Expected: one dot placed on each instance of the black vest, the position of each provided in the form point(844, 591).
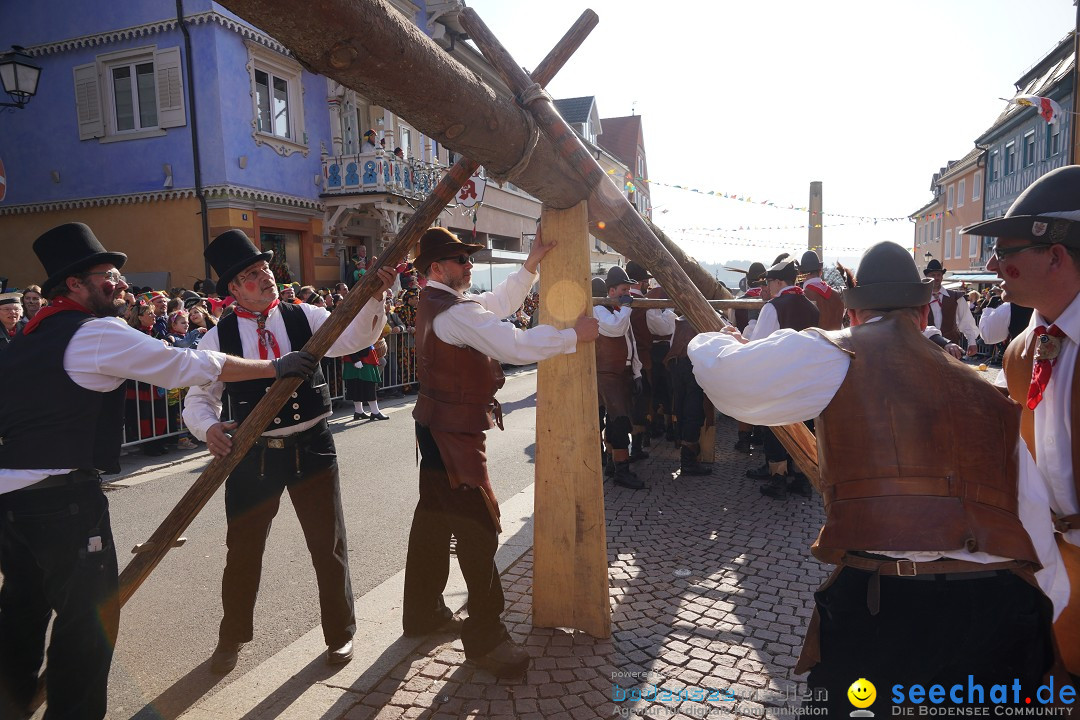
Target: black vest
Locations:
point(46, 419)
point(795, 312)
point(1019, 318)
point(310, 400)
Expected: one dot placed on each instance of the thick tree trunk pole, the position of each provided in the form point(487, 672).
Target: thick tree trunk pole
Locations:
point(661, 304)
point(570, 579)
point(152, 552)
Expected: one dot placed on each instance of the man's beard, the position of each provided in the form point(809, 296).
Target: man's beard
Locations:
point(462, 283)
point(102, 305)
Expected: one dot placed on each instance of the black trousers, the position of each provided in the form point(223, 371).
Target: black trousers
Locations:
point(689, 399)
point(661, 384)
point(57, 556)
point(440, 513)
point(309, 471)
point(931, 632)
point(774, 449)
point(640, 403)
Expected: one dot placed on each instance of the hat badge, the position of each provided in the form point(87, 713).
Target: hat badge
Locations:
point(1038, 229)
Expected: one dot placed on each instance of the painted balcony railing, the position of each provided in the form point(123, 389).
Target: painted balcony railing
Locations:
point(378, 171)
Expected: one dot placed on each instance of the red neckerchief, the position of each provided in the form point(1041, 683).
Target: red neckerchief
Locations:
point(1047, 348)
point(794, 290)
point(824, 292)
point(267, 341)
point(55, 307)
point(753, 292)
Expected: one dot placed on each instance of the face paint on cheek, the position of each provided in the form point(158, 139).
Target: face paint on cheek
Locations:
point(250, 285)
point(1012, 272)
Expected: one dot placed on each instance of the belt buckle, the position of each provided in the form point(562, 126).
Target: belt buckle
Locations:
point(275, 443)
point(900, 565)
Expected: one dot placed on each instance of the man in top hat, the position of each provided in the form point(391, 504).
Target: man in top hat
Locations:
point(822, 294)
point(899, 510)
point(1037, 257)
point(618, 376)
point(460, 341)
point(788, 309)
point(63, 377)
point(11, 319)
point(295, 452)
point(949, 310)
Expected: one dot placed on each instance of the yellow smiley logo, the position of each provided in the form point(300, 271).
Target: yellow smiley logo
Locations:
point(862, 693)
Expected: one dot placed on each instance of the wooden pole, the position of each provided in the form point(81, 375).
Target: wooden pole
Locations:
point(570, 579)
point(662, 304)
point(643, 245)
point(150, 553)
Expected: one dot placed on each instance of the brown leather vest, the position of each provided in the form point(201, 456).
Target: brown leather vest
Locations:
point(457, 384)
point(795, 312)
point(680, 339)
point(643, 337)
point(915, 452)
point(612, 353)
point(830, 309)
point(1018, 361)
point(948, 326)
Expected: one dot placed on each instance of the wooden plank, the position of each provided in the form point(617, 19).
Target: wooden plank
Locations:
point(570, 580)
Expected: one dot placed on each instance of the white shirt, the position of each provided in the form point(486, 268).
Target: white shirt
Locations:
point(965, 321)
point(741, 380)
point(202, 406)
point(767, 320)
point(994, 323)
point(615, 323)
point(661, 323)
point(478, 325)
point(103, 353)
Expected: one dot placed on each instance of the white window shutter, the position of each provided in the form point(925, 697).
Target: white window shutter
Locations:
point(170, 88)
point(88, 102)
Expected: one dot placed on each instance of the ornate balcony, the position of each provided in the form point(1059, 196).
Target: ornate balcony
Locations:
point(378, 172)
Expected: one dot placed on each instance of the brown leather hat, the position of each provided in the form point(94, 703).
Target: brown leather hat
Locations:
point(888, 278)
point(438, 243)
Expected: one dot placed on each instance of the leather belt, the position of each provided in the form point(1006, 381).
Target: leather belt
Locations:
point(287, 441)
point(1065, 523)
point(948, 486)
point(75, 477)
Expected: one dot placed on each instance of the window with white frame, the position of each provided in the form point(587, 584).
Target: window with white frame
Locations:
point(961, 192)
point(976, 186)
point(974, 251)
point(1010, 159)
point(948, 244)
point(949, 195)
point(405, 142)
point(958, 249)
point(130, 94)
point(1029, 149)
point(277, 98)
point(1053, 139)
point(993, 166)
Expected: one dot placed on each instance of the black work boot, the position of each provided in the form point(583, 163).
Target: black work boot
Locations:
point(757, 437)
point(688, 462)
point(743, 445)
point(760, 473)
point(636, 451)
point(776, 487)
point(800, 485)
point(625, 476)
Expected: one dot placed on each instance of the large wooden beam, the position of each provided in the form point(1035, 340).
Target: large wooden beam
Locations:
point(570, 580)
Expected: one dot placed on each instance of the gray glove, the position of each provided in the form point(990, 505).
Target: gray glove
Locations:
point(626, 299)
point(295, 364)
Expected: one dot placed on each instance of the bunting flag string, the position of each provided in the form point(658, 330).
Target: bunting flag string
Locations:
point(747, 228)
point(734, 241)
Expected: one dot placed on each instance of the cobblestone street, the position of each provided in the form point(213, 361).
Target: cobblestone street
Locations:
point(711, 588)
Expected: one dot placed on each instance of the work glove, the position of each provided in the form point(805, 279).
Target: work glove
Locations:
point(295, 364)
point(626, 299)
point(637, 386)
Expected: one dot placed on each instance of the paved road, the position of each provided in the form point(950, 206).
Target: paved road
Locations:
point(169, 627)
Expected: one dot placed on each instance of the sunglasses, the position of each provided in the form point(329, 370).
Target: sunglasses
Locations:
point(459, 259)
point(1001, 253)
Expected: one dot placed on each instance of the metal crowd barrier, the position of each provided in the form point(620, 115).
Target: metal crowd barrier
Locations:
point(154, 413)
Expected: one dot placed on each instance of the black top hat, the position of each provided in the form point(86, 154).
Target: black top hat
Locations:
point(637, 272)
point(191, 299)
point(438, 243)
point(887, 279)
point(69, 249)
point(933, 266)
point(755, 274)
point(784, 270)
point(1048, 211)
point(616, 276)
point(810, 262)
point(229, 253)
point(599, 287)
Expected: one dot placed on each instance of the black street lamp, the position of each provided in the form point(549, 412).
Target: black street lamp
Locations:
point(19, 77)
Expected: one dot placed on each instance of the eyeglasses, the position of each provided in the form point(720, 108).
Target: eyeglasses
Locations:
point(1001, 253)
point(459, 259)
point(244, 277)
point(112, 276)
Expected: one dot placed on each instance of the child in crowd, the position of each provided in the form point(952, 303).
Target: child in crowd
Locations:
point(362, 377)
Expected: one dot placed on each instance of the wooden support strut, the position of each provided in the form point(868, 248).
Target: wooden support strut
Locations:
point(150, 553)
point(662, 304)
point(642, 244)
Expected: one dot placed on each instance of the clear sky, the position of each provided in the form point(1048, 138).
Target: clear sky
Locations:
point(760, 97)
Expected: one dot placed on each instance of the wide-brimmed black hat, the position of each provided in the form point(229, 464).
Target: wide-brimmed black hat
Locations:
point(438, 243)
point(599, 287)
point(617, 276)
point(933, 266)
point(784, 270)
point(810, 262)
point(191, 299)
point(229, 253)
point(1048, 211)
point(637, 272)
point(755, 274)
point(69, 249)
point(887, 279)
